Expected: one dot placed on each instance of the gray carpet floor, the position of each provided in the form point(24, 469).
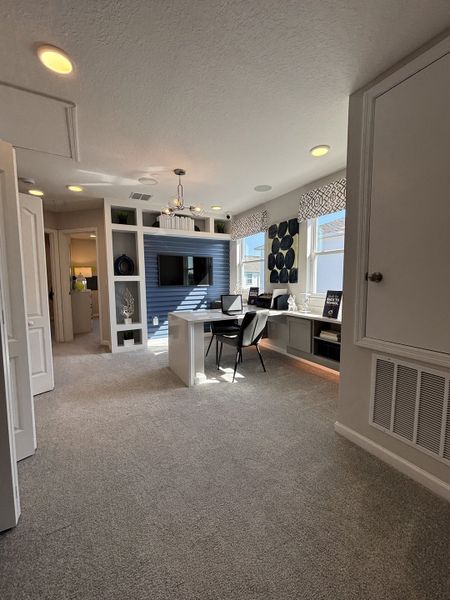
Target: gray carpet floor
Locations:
point(144, 489)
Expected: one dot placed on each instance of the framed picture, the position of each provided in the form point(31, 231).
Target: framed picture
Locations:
point(283, 250)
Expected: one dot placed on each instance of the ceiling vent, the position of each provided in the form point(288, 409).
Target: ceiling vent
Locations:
point(138, 196)
point(412, 404)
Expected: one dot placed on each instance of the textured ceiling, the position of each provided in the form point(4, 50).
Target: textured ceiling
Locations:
point(234, 91)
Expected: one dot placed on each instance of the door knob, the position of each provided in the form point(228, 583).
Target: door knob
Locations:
point(30, 323)
point(375, 276)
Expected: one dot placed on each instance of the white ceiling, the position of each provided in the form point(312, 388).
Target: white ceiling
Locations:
point(236, 92)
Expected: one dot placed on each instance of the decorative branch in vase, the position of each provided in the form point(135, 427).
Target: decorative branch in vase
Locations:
point(127, 310)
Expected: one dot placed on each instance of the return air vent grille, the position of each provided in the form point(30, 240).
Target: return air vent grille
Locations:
point(412, 404)
point(405, 401)
point(138, 196)
point(383, 394)
point(447, 428)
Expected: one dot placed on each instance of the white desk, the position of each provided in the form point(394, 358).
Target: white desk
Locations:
point(187, 343)
point(187, 339)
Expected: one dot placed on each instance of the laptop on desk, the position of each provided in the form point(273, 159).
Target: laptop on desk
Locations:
point(232, 304)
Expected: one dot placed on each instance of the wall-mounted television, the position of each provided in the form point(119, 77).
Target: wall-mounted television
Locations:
point(176, 269)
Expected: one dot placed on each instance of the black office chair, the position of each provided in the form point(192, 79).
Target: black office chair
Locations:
point(221, 328)
point(250, 334)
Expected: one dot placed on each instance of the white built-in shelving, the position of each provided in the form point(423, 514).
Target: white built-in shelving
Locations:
point(125, 226)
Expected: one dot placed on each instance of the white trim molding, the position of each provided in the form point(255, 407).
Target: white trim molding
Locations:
point(436, 485)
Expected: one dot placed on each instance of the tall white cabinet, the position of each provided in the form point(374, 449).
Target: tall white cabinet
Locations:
point(405, 219)
point(394, 393)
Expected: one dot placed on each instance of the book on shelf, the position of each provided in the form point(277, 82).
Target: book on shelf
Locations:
point(176, 222)
point(327, 334)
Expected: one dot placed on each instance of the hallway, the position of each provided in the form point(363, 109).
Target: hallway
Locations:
point(83, 343)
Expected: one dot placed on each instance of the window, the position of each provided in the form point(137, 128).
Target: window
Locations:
point(251, 261)
point(326, 252)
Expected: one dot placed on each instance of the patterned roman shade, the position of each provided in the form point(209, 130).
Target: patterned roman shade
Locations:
point(249, 224)
point(323, 200)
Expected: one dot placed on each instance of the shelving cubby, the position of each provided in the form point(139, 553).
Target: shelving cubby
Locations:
point(125, 242)
point(150, 218)
point(329, 350)
point(219, 223)
point(134, 334)
point(133, 287)
point(121, 215)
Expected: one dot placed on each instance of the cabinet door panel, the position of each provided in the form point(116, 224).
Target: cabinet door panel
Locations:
point(410, 213)
point(300, 334)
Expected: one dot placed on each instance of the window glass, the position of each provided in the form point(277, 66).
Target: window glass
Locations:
point(330, 231)
point(326, 255)
point(253, 247)
point(252, 261)
point(329, 272)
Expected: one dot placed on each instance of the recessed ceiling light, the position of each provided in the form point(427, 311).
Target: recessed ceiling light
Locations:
point(148, 180)
point(216, 207)
point(55, 59)
point(74, 188)
point(262, 188)
point(92, 235)
point(320, 150)
point(34, 192)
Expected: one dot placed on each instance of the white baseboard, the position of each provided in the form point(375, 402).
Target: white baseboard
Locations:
point(426, 479)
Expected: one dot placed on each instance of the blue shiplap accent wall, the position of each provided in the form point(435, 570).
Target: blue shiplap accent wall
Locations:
point(165, 299)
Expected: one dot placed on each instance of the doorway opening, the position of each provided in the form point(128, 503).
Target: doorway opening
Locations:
point(84, 292)
point(74, 291)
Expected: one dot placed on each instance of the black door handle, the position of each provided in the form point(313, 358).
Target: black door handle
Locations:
point(375, 276)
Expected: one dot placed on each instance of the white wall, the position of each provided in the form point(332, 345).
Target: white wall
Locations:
point(353, 408)
point(280, 209)
point(83, 253)
point(50, 219)
point(82, 219)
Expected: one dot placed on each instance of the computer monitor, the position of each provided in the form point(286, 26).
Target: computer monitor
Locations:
point(231, 303)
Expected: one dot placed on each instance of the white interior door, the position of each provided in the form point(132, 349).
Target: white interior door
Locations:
point(11, 267)
point(409, 242)
point(9, 496)
point(38, 315)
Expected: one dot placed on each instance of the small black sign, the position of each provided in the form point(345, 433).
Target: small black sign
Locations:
point(332, 304)
point(252, 295)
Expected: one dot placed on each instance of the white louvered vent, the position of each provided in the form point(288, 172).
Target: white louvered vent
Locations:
point(405, 402)
point(138, 196)
point(382, 406)
point(412, 403)
point(446, 452)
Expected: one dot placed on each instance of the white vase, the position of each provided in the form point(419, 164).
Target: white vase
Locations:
point(127, 320)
